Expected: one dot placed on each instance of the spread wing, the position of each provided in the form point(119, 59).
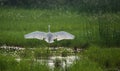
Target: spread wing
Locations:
point(63, 35)
point(36, 34)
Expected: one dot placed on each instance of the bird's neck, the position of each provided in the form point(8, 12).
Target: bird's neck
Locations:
point(48, 28)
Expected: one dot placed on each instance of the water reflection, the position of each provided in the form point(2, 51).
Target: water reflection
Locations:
point(56, 61)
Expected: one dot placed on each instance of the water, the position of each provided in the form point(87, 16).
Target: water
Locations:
point(61, 61)
point(52, 62)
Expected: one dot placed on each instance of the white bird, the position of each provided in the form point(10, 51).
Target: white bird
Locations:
point(49, 37)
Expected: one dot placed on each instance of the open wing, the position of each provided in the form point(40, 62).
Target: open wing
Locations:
point(63, 35)
point(36, 34)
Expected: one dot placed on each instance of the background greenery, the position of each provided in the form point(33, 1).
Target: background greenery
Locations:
point(76, 5)
point(95, 24)
point(96, 28)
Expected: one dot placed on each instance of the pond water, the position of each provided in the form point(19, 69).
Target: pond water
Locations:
point(54, 61)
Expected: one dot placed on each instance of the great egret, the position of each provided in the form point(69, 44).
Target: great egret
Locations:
point(49, 37)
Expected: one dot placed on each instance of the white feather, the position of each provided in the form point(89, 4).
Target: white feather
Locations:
point(49, 37)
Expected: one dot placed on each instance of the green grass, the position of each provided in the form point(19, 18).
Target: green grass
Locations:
point(85, 65)
point(87, 28)
point(15, 23)
point(107, 58)
point(91, 59)
point(8, 63)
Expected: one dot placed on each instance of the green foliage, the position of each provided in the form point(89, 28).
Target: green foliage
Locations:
point(77, 5)
point(26, 53)
point(85, 65)
point(87, 28)
point(109, 32)
point(65, 53)
point(58, 64)
point(42, 53)
point(105, 57)
point(7, 63)
point(28, 65)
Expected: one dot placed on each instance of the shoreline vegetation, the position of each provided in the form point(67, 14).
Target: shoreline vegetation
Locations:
point(93, 58)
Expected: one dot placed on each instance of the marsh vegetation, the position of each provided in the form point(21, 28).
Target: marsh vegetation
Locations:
point(95, 24)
